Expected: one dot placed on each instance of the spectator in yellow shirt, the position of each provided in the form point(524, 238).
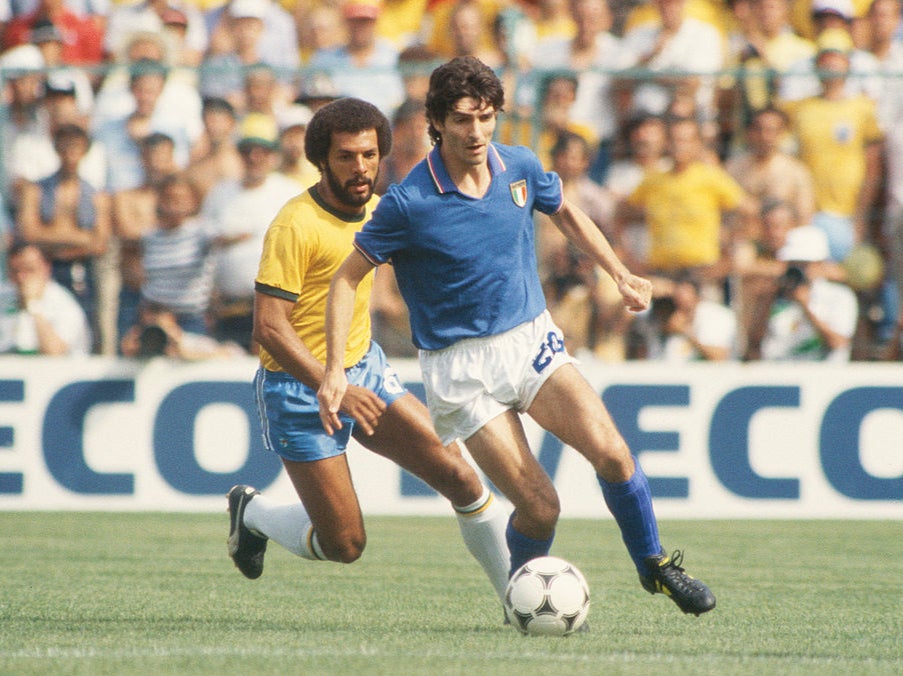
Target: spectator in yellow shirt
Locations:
point(839, 139)
point(684, 208)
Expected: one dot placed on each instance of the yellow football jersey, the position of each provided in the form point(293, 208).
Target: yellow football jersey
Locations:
point(684, 213)
point(832, 137)
point(304, 247)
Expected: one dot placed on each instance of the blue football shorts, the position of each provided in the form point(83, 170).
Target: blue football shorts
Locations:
point(290, 414)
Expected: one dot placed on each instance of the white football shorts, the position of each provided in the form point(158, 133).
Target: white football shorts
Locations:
point(476, 379)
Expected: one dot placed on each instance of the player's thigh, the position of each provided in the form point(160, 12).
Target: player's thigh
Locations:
point(502, 451)
point(329, 498)
point(405, 435)
point(568, 407)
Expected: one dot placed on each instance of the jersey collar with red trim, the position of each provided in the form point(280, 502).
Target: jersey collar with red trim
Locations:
point(439, 173)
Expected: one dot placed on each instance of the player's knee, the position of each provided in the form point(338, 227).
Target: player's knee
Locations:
point(463, 484)
point(541, 511)
point(616, 465)
point(456, 481)
point(346, 548)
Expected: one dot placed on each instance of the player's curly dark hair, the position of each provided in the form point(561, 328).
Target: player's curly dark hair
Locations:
point(344, 115)
point(463, 76)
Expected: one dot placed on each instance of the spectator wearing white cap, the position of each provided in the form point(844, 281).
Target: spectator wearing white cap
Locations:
point(366, 66)
point(32, 156)
point(783, 242)
point(23, 82)
point(278, 43)
point(810, 319)
point(128, 19)
point(801, 79)
point(223, 74)
point(839, 138)
point(49, 39)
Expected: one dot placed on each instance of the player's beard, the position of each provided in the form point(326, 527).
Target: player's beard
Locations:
point(341, 193)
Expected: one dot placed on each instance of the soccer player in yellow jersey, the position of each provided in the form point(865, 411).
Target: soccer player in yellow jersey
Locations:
point(304, 246)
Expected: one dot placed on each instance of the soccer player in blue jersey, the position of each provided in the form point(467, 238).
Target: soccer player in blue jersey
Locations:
point(305, 244)
point(459, 232)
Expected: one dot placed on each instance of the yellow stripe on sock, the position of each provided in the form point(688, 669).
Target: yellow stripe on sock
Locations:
point(477, 510)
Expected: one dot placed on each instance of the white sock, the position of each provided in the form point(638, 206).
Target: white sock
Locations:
point(483, 526)
point(289, 525)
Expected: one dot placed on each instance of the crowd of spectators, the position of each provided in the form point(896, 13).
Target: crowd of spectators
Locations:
point(747, 155)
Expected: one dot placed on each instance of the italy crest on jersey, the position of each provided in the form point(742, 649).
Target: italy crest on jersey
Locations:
point(519, 192)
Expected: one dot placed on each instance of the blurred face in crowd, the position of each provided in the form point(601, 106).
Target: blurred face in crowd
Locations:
point(591, 16)
point(409, 136)
point(29, 271)
point(572, 161)
point(351, 168)
point(560, 95)
point(147, 89)
point(765, 133)
point(685, 296)
point(291, 143)
point(466, 29)
point(177, 202)
point(26, 89)
point(771, 15)
point(832, 66)
point(62, 108)
point(71, 150)
point(219, 124)
point(247, 32)
point(361, 32)
point(145, 49)
point(258, 161)
point(776, 223)
point(684, 142)
point(158, 161)
point(649, 139)
point(884, 19)
point(52, 51)
point(260, 87)
point(672, 14)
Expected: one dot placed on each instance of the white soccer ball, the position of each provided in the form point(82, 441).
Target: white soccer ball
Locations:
point(547, 596)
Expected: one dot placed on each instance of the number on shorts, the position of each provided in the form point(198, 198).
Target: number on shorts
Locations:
point(553, 345)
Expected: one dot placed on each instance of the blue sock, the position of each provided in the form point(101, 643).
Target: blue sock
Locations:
point(630, 502)
point(524, 548)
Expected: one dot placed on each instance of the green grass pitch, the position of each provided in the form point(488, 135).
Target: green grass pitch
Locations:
point(124, 593)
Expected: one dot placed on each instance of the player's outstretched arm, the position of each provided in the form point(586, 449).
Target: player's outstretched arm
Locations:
point(583, 233)
point(339, 313)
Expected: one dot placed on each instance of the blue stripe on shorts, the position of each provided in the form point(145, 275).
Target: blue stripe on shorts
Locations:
point(290, 414)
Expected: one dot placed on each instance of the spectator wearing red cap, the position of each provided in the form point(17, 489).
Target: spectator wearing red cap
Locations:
point(82, 37)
